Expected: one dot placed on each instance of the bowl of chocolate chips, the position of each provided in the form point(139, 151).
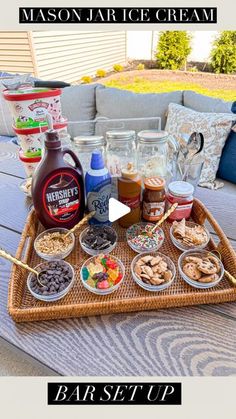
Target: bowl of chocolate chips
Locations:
point(97, 239)
point(55, 280)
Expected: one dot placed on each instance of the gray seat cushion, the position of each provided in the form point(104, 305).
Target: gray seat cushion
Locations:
point(116, 103)
point(202, 103)
point(79, 104)
point(221, 203)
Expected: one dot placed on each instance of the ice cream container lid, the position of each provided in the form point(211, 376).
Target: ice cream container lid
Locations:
point(37, 130)
point(29, 94)
point(25, 159)
point(181, 188)
point(155, 183)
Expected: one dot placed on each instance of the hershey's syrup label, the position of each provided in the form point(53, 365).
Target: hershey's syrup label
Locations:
point(61, 196)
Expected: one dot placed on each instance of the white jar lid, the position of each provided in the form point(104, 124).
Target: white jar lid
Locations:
point(181, 188)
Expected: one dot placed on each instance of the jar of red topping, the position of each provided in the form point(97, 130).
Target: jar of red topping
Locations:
point(153, 198)
point(182, 193)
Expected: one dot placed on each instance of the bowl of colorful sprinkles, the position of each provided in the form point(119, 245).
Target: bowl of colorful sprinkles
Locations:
point(102, 274)
point(140, 241)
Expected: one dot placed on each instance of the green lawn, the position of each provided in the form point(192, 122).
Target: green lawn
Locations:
point(142, 85)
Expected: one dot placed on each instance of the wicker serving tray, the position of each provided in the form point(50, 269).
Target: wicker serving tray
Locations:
point(129, 297)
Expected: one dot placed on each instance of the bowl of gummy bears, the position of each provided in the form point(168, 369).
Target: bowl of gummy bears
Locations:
point(102, 274)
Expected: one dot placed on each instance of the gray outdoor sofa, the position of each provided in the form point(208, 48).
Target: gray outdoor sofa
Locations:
point(88, 102)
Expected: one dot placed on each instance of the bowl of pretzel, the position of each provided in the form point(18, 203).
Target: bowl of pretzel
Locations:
point(187, 235)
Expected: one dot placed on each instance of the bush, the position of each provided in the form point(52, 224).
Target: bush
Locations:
point(223, 55)
point(173, 49)
point(86, 79)
point(118, 68)
point(101, 73)
point(140, 66)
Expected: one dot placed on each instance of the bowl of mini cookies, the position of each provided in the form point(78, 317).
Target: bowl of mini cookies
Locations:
point(153, 271)
point(200, 269)
point(187, 235)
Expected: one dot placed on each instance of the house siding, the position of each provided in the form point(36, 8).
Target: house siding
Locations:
point(15, 53)
point(61, 55)
point(72, 54)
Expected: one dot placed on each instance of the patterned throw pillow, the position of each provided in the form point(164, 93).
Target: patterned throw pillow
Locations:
point(215, 128)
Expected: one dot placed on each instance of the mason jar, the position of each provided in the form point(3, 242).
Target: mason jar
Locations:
point(156, 154)
point(83, 146)
point(120, 150)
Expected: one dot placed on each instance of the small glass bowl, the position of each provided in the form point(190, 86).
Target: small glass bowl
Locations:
point(99, 291)
point(196, 284)
point(136, 229)
point(94, 252)
point(177, 243)
point(153, 288)
point(54, 256)
point(52, 297)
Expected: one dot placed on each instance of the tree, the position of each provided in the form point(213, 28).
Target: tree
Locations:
point(223, 55)
point(173, 49)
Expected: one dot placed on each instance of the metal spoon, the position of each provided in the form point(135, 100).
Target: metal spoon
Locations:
point(12, 259)
point(62, 237)
point(194, 146)
point(163, 218)
point(80, 223)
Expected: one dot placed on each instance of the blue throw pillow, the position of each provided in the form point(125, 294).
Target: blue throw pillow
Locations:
point(227, 167)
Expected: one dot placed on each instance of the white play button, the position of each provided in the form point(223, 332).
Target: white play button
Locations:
point(117, 209)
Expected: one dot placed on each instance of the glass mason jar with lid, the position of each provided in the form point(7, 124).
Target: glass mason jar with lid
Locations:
point(83, 146)
point(156, 154)
point(120, 150)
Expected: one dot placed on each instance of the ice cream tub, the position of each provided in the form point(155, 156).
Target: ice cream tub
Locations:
point(29, 163)
point(29, 107)
point(31, 140)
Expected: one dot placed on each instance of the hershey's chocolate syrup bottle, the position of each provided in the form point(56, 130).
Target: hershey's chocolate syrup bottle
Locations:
point(58, 187)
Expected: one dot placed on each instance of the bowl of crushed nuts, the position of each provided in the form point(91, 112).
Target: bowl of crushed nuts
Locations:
point(200, 269)
point(187, 235)
point(153, 272)
point(52, 244)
